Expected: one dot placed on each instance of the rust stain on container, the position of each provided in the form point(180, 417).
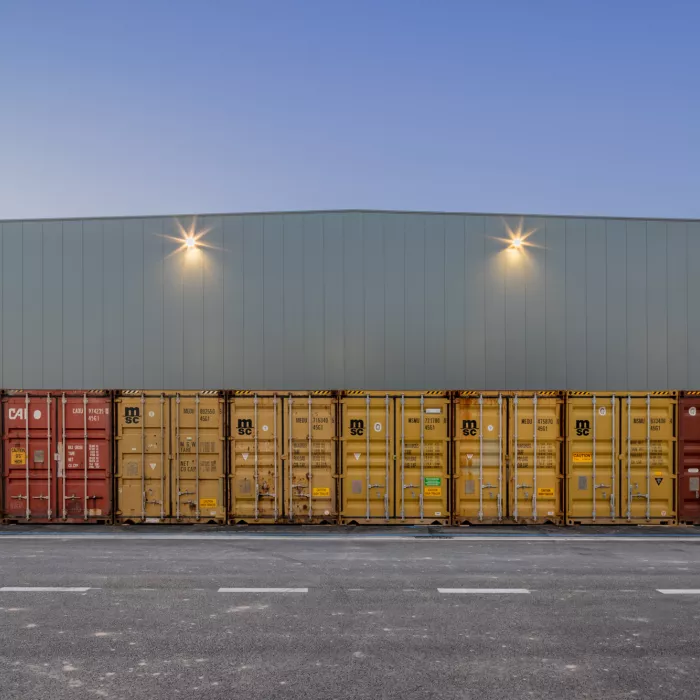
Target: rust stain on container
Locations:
point(171, 458)
point(480, 482)
point(310, 465)
point(57, 449)
point(272, 479)
point(198, 440)
point(689, 457)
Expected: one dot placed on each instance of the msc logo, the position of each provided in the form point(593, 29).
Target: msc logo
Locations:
point(583, 427)
point(132, 414)
point(469, 427)
point(357, 427)
point(245, 426)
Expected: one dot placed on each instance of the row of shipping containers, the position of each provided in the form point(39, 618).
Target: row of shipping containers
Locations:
point(446, 458)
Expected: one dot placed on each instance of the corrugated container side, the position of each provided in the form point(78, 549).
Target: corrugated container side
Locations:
point(689, 459)
point(535, 458)
point(395, 457)
point(198, 443)
point(367, 458)
point(29, 450)
point(479, 476)
point(142, 478)
point(648, 431)
point(85, 450)
point(310, 439)
point(422, 449)
point(255, 456)
point(592, 458)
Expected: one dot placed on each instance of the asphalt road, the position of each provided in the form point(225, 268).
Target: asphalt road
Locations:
point(365, 617)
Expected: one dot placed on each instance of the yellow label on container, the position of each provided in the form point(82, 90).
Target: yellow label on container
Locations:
point(545, 492)
point(321, 492)
point(207, 503)
point(432, 491)
point(18, 455)
point(582, 457)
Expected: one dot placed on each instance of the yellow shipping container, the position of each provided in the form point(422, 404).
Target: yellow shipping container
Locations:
point(272, 436)
point(535, 458)
point(480, 481)
point(621, 458)
point(648, 489)
point(592, 457)
point(395, 458)
point(170, 457)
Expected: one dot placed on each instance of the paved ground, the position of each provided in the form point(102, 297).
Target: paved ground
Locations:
point(576, 617)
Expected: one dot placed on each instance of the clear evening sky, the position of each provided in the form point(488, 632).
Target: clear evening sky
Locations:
point(530, 106)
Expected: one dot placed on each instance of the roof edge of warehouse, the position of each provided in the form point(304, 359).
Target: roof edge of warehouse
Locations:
point(351, 211)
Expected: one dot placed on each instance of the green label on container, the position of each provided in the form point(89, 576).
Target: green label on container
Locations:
point(433, 481)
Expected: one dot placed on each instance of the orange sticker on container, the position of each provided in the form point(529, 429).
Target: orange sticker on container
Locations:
point(432, 491)
point(545, 492)
point(582, 457)
point(18, 455)
point(321, 492)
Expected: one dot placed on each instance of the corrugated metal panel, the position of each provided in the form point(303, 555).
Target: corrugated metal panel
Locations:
point(364, 300)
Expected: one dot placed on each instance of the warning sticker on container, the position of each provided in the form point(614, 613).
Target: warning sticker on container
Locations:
point(658, 480)
point(582, 457)
point(433, 481)
point(321, 492)
point(432, 491)
point(207, 503)
point(544, 492)
point(18, 455)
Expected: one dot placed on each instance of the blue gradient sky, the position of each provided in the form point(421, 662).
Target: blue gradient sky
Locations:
point(150, 107)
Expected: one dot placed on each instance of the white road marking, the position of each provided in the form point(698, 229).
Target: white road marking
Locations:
point(263, 590)
point(679, 591)
point(483, 590)
point(45, 589)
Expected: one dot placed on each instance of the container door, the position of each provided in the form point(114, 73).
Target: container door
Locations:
point(198, 459)
point(648, 458)
point(143, 464)
point(84, 475)
point(422, 475)
point(689, 488)
point(535, 459)
point(592, 458)
point(255, 490)
point(30, 457)
point(367, 453)
point(310, 494)
point(479, 481)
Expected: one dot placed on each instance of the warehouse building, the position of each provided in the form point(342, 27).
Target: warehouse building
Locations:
point(367, 300)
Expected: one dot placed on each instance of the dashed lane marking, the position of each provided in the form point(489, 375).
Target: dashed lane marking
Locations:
point(263, 590)
point(679, 591)
point(45, 589)
point(483, 590)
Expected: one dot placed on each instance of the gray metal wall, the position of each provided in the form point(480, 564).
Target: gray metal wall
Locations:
point(350, 300)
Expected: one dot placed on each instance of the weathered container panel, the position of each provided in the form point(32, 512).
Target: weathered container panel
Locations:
point(479, 467)
point(57, 457)
point(648, 491)
point(689, 458)
point(535, 480)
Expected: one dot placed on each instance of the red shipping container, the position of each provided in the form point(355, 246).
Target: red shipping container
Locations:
point(689, 457)
point(57, 457)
